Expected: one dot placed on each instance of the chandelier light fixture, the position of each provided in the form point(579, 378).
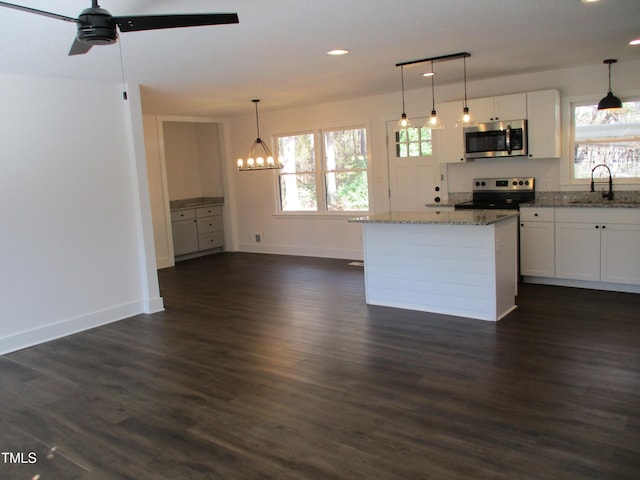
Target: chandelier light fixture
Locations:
point(434, 121)
point(404, 122)
point(610, 101)
point(259, 157)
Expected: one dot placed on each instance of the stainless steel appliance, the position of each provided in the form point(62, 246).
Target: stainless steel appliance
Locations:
point(496, 139)
point(500, 193)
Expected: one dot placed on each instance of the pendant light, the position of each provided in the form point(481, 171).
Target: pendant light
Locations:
point(404, 122)
point(433, 122)
point(465, 119)
point(256, 159)
point(610, 101)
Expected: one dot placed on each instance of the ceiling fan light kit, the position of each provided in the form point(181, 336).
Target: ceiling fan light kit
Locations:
point(96, 26)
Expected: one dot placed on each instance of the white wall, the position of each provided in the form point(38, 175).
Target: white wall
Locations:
point(255, 193)
point(76, 246)
point(192, 157)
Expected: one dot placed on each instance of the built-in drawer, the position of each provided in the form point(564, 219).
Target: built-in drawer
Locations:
point(210, 240)
point(209, 224)
point(533, 214)
point(629, 216)
point(187, 214)
point(208, 211)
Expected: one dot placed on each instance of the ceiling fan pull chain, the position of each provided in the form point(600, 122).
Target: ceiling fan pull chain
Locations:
point(124, 83)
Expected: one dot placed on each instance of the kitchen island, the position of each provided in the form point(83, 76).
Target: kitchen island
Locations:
point(459, 262)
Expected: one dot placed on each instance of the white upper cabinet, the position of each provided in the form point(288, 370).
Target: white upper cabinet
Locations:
point(448, 143)
point(540, 108)
point(543, 114)
point(503, 107)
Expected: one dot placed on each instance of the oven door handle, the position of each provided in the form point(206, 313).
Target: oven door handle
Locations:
point(508, 139)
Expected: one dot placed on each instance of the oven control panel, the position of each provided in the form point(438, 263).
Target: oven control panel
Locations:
point(503, 184)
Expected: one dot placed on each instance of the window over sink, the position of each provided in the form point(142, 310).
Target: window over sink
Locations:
point(611, 137)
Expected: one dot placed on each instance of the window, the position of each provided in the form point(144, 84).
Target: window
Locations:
point(413, 142)
point(338, 183)
point(607, 136)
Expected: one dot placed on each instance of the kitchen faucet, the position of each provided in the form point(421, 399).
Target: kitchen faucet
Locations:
point(609, 194)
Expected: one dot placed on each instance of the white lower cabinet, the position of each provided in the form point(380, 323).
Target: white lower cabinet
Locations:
point(197, 229)
point(537, 242)
point(598, 244)
point(578, 251)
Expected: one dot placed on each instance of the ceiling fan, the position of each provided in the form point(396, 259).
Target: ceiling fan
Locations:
point(96, 26)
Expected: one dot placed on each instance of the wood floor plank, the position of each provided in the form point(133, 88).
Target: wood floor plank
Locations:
point(273, 367)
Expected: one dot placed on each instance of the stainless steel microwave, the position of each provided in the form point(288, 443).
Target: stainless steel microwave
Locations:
point(496, 139)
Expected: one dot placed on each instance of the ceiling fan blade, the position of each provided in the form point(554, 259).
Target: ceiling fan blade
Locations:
point(155, 22)
point(79, 48)
point(38, 12)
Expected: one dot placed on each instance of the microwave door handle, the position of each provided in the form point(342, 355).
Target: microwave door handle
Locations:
point(509, 139)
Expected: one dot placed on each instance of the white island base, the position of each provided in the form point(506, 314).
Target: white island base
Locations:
point(461, 263)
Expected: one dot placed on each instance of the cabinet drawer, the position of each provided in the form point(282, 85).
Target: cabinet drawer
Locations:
point(209, 224)
point(210, 240)
point(208, 211)
point(188, 214)
point(629, 216)
point(537, 214)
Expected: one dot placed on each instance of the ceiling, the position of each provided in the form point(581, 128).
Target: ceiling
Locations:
point(278, 50)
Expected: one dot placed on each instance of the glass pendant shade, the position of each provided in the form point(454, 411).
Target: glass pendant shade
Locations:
point(259, 156)
point(466, 119)
point(610, 101)
point(434, 122)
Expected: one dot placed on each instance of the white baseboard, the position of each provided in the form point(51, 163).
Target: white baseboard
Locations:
point(341, 253)
point(46, 333)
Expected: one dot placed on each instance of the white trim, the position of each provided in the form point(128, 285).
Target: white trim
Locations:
point(70, 326)
point(561, 282)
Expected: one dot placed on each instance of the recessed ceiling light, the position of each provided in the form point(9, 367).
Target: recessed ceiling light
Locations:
point(428, 74)
point(635, 41)
point(338, 51)
point(589, 1)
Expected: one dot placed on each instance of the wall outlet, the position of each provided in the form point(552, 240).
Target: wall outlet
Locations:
point(258, 237)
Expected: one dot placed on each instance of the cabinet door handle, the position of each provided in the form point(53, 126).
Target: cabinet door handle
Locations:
point(597, 226)
point(604, 226)
point(535, 214)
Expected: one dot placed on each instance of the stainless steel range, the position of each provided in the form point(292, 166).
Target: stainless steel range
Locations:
point(500, 193)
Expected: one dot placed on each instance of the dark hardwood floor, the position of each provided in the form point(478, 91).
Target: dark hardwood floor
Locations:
point(273, 367)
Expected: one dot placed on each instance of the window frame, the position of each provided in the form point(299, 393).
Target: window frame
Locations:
point(321, 170)
point(571, 140)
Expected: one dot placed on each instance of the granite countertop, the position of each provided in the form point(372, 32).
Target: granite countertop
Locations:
point(451, 217)
point(195, 202)
point(621, 199)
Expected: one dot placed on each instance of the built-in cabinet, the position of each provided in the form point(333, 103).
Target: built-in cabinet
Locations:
point(598, 245)
point(503, 107)
point(537, 239)
point(543, 123)
point(540, 108)
point(197, 230)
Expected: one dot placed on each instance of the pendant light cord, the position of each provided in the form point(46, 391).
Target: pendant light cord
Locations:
point(402, 80)
point(257, 121)
point(610, 91)
point(464, 59)
point(433, 93)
